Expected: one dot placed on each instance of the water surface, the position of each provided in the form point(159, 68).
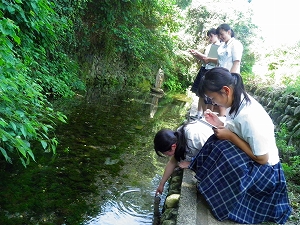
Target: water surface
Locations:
point(105, 171)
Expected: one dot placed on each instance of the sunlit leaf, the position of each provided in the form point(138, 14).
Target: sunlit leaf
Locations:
point(31, 155)
point(44, 144)
point(23, 130)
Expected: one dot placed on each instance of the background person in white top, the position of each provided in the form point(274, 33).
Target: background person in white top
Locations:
point(230, 52)
point(204, 103)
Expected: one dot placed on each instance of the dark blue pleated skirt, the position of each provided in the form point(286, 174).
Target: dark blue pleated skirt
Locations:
point(239, 189)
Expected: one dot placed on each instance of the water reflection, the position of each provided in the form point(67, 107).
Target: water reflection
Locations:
point(105, 171)
point(154, 103)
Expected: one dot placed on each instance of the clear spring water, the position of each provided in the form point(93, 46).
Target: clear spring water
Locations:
point(105, 171)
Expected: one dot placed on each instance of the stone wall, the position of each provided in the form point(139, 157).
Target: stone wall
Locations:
point(282, 108)
point(170, 209)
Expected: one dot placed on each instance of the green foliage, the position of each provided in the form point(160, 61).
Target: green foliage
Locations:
point(199, 18)
point(136, 32)
point(283, 135)
point(291, 161)
point(293, 86)
point(32, 64)
point(147, 35)
point(291, 170)
point(280, 66)
point(25, 113)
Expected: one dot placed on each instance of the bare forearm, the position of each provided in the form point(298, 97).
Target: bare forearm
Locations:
point(211, 60)
point(235, 67)
point(171, 165)
point(243, 145)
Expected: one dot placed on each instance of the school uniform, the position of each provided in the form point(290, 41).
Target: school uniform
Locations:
point(236, 187)
point(196, 134)
point(230, 52)
point(203, 69)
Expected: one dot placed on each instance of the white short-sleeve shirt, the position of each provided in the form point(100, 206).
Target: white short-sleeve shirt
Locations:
point(230, 52)
point(196, 134)
point(253, 124)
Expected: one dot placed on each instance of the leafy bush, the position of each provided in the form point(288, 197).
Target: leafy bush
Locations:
point(137, 33)
point(290, 159)
point(32, 64)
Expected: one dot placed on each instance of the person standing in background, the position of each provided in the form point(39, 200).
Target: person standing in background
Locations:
point(229, 53)
point(204, 103)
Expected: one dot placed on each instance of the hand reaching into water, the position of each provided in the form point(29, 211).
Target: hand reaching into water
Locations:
point(159, 189)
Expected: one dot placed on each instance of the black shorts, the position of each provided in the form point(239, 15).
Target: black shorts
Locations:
point(196, 83)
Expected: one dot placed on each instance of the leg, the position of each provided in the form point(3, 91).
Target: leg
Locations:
point(201, 107)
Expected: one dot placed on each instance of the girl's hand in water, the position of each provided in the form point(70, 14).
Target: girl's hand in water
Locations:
point(212, 118)
point(159, 189)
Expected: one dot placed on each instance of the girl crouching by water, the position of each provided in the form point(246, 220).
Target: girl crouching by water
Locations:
point(238, 169)
point(180, 145)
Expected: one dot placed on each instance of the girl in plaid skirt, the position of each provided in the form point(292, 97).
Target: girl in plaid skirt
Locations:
point(238, 168)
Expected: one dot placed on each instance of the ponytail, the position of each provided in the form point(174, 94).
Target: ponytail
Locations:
point(215, 79)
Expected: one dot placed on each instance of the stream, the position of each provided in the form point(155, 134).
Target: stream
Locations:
point(105, 171)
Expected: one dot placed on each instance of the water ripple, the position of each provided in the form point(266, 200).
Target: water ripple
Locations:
point(131, 207)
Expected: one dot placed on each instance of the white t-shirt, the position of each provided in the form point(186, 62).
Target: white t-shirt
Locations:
point(230, 52)
point(196, 134)
point(253, 124)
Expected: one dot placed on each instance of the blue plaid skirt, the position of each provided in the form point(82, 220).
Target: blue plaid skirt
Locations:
point(239, 189)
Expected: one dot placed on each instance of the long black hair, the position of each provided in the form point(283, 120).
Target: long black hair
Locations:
point(165, 138)
point(225, 27)
point(214, 80)
point(211, 31)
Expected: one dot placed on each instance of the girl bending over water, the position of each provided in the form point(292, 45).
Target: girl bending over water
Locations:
point(180, 145)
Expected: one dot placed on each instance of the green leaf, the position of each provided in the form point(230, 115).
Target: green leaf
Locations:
point(22, 148)
point(44, 144)
point(45, 128)
point(23, 162)
point(10, 9)
point(4, 153)
point(13, 125)
point(2, 122)
point(23, 130)
point(53, 147)
point(31, 155)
